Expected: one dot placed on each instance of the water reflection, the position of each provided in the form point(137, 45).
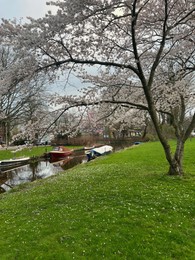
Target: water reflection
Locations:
point(36, 170)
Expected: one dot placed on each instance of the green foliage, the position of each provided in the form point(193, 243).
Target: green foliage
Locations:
point(121, 206)
point(151, 137)
point(168, 132)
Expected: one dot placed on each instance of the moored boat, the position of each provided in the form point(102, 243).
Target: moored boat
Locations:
point(59, 153)
point(99, 151)
point(15, 161)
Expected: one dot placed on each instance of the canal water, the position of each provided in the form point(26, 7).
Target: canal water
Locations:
point(37, 170)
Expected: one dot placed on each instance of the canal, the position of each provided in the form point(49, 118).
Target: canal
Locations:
point(38, 170)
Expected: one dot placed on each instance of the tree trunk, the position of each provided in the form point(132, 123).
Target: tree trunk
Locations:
point(175, 161)
point(175, 166)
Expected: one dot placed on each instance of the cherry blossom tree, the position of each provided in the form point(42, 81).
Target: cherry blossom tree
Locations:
point(21, 95)
point(135, 40)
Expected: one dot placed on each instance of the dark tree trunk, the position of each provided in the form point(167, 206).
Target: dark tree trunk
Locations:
point(175, 161)
point(175, 168)
point(175, 165)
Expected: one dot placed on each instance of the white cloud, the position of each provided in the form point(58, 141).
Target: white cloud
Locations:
point(36, 8)
point(23, 8)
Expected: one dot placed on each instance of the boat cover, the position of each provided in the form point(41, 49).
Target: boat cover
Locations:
point(103, 149)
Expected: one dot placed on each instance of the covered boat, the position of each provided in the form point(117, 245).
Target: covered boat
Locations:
point(59, 153)
point(95, 152)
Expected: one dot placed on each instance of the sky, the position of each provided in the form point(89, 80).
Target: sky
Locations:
point(10, 9)
point(23, 8)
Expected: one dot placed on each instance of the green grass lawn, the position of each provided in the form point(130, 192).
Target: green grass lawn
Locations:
point(121, 206)
point(33, 151)
point(29, 152)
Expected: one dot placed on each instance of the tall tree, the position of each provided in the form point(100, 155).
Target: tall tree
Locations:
point(21, 95)
point(137, 37)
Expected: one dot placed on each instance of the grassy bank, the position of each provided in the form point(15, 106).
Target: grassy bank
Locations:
point(25, 152)
point(122, 206)
point(31, 151)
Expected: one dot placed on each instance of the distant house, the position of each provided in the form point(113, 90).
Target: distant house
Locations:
point(126, 133)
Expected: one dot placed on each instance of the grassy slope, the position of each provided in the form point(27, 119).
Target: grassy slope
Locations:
point(122, 206)
point(29, 152)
